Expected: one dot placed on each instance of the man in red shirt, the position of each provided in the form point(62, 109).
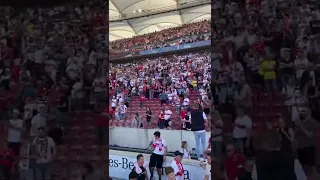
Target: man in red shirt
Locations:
point(142, 100)
point(183, 114)
point(6, 159)
point(102, 125)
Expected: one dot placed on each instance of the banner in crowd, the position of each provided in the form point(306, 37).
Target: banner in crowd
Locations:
point(178, 47)
point(121, 166)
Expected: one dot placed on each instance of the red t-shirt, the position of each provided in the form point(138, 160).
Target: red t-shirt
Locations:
point(142, 99)
point(183, 114)
point(6, 158)
point(234, 166)
point(111, 111)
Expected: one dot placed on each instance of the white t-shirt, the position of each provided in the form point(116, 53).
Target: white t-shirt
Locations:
point(176, 169)
point(14, 135)
point(36, 122)
point(186, 153)
point(186, 101)
point(44, 147)
point(113, 102)
point(160, 146)
point(167, 114)
point(242, 132)
point(123, 108)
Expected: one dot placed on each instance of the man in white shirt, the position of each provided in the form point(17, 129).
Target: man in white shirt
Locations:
point(158, 156)
point(167, 114)
point(186, 102)
point(242, 129)
point(177, 165)
point(37, 121)
point(14, 132)
point(114, 103)
point(122, 111)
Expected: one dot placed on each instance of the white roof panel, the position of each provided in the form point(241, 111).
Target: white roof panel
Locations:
point(152, 23)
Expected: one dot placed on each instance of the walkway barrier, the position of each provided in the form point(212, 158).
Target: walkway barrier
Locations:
point(142, 138)
point(121, 163)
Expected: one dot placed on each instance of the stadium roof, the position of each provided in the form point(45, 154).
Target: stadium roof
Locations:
point(151, 23)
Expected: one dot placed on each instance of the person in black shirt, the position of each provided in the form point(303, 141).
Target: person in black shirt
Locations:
point(133, 176)
point(149, 116)
point(140, 168)
point(287, 135)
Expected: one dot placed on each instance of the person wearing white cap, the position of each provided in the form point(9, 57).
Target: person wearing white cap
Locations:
point(14, 132)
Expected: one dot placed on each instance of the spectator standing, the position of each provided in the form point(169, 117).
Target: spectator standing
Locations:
point(274, 164)
point(247, 170)
point(306, 129)
point(38, 121)
point(122, 111)
point(217, 136)
point(6, 159)
point(24, 161)
point(267, 70)
point(242, 130)
point(167, 115)
point(287, 134)
point(233, 163)
point(186, 102)
point(186, 122)
point(46, 151)
point(137, 121)
point(158, 156)
point(243, 95)
point(161, 124)
point(149, 116)
point(177, 165)
point(102, 126)
point(14, 132)
point(163, 98)
point(198, 118)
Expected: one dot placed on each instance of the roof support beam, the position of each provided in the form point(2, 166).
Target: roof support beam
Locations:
point(117, 7)
point(178, 9)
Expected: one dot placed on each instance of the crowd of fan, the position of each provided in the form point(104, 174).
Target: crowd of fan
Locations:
point(51, 58)
point(274, 45)
point(187, 33)
point(169, 79)
point(268, 44)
